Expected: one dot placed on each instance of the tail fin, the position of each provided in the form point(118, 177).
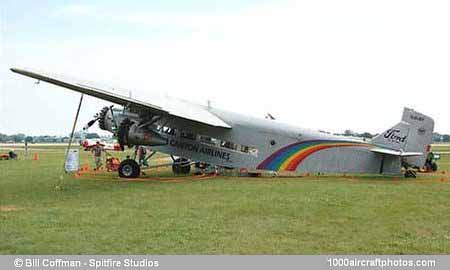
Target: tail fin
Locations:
point(413, 134)
point(421, 135)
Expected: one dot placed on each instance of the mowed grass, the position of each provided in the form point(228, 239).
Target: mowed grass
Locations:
point(444, 149)
point(163, 214)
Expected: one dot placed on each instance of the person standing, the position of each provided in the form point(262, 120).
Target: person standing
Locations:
point(97, 150)
point(141, 153)
point(26, 147)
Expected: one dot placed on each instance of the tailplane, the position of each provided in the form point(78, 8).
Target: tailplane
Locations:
point(413, 134)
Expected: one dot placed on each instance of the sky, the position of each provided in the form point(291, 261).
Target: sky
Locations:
point(328, 65)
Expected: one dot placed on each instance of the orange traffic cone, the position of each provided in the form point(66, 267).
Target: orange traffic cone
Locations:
point(36, 156)
point(86, 167)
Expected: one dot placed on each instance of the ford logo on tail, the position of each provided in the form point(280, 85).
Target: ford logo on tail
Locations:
point(394, 135)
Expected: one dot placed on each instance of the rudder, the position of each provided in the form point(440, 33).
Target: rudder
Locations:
point(420, 135)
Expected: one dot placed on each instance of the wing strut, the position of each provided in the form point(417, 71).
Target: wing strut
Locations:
point(58, 186)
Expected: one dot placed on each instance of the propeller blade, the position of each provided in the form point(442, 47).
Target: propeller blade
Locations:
point(90, 123)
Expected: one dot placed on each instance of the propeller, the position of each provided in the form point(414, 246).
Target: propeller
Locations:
point(90, 123)
point(97, 116)
point(270, 116)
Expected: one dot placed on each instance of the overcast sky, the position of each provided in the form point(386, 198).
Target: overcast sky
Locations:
point(329, 65)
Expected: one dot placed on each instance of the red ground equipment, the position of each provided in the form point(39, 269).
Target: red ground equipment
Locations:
point(112, 164)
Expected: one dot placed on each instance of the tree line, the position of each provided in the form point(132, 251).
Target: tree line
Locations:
point(22, 138)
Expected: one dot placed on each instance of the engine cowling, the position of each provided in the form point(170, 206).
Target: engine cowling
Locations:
point(130, 133)
point(105, 120)
point(110, 118)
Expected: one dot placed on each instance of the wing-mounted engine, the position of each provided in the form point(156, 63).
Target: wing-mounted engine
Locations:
point(130, 128)
point(134, 134)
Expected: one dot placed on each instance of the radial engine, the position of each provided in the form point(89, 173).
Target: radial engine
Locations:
point(129, 128)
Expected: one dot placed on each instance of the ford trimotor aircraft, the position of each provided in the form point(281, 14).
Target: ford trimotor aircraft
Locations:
point(198, 133)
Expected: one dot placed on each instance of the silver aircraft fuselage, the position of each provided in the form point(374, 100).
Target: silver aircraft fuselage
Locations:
point(261, 144)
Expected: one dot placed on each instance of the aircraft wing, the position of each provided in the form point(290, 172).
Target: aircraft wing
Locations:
point(177, 108)
point(395, 152)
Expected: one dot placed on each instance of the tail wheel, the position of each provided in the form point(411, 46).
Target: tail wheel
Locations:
point(181, 166)
point(129, 169)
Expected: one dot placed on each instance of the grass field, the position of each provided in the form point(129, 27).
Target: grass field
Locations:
point(163, 214)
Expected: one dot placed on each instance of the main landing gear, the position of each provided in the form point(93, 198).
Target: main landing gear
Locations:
point(181, 166)
point(130, 168)
point(408, 169)
point(410, 173)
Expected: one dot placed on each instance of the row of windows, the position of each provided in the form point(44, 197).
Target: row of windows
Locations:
point(209, 140)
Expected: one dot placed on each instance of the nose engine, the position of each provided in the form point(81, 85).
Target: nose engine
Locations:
point(129, 129)
point(105, 119)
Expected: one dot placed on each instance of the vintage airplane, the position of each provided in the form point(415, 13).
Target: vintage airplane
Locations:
point(87, 145)
point(209, 135)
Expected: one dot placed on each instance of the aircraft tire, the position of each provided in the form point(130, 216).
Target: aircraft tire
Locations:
point(181, 166)
point(129, 169)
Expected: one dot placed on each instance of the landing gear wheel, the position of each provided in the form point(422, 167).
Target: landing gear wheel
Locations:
point(181, 166)
point(410, 174)
point(129, 169)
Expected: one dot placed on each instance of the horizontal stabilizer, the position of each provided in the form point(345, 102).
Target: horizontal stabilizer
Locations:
point(395, 152)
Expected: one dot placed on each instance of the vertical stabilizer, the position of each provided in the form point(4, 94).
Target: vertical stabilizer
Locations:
point(413, 134)
point(420, 137)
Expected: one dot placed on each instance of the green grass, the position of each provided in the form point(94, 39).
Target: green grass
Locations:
point(444, 161)
point(98, 213)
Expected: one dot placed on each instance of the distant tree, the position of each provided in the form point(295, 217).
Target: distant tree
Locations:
point(437, 137)
point(92, 136)
point(348, 132)
point(446, 138)
point(29, 139)
point(76, 135)
point(18, 137)
point(366, 135)
point(3, 137)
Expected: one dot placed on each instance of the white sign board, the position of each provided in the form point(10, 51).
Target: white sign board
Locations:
point(73, 160)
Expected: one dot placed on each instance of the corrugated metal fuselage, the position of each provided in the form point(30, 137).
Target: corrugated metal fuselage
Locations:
point(275, 146)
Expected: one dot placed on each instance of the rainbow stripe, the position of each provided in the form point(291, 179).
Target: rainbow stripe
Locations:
point(289, 157)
